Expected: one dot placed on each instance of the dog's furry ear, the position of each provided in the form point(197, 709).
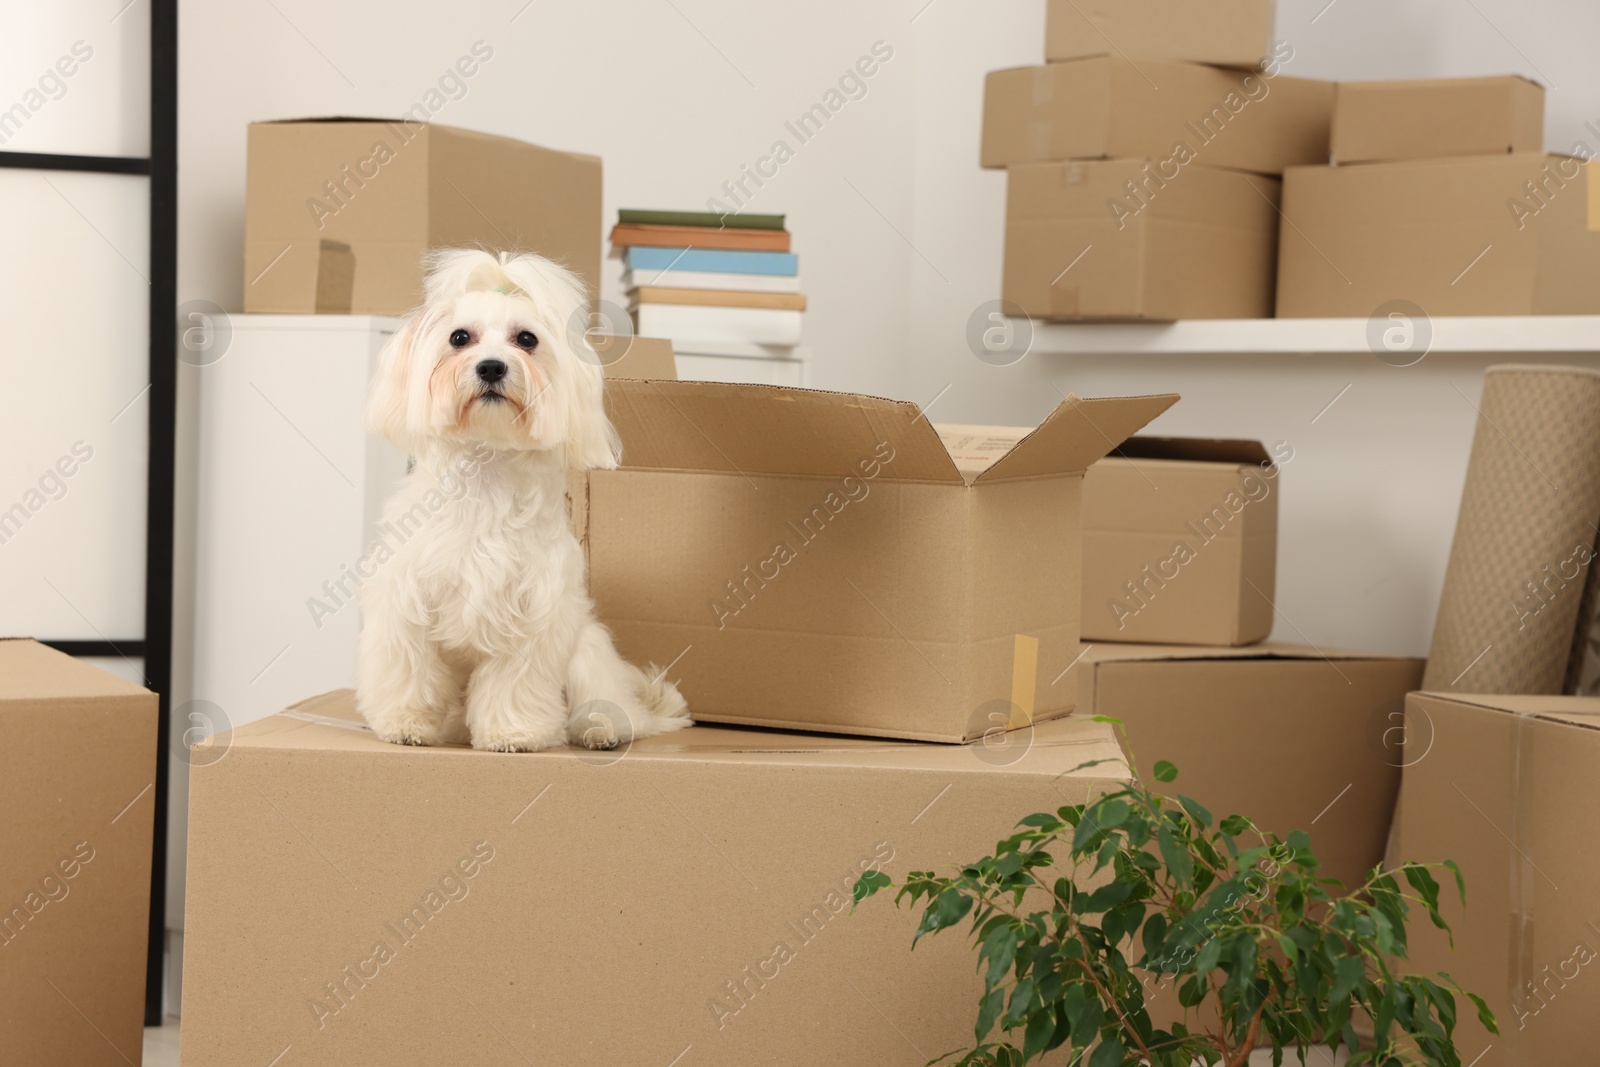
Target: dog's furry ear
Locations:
point(592, 442)
point(390, 398)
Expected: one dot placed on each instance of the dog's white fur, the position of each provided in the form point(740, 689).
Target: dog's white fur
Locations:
point(480, 627)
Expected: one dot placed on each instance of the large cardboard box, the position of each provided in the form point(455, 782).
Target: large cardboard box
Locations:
point(1180, 543)
point(1295, 737)
point(1109, 107)
point(77, 784)
point(1139, 239)
point(1395, 120)
point(338, 212)
point(819, 560)
point(1505, 787)
point(686, 899)
point(1489, 235)
point(1227, 33)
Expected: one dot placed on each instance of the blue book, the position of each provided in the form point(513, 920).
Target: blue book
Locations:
point(711, 260)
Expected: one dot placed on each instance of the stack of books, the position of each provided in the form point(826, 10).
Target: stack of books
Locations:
point(722, 287)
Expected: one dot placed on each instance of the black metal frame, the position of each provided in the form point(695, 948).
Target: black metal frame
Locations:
point(156, 647)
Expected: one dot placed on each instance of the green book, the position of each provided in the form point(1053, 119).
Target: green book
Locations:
point(733, 220)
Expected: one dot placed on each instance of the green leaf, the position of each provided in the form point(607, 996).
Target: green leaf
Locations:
point(1179, 862)
point(1461, 883)
point(989, 1011)
point(1048, 823)
point(1107, 1054)
point(1210, 955)
point(869, 883)
point(1485, 1016)
point(947, 909)
point(1041, 1028)
point(1348, 972)
point(999, 950)
point(1196, 811)
point(1165, 772)
point(1105, 898)
point(1084, 1013)
point(1021, 1003)
point(1428, 890)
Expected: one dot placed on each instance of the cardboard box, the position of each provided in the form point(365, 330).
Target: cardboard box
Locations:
point(694, 890)
point(1395, 120)
point(1139, 239)
point(77, 776)
point(833, 568)
point(1505, 785)
point(1109, 107)
point(1489, 235)
point(1291, 736)
point(338, 212)
point(635, 357)
point(1180, 543)
point(1225, 33)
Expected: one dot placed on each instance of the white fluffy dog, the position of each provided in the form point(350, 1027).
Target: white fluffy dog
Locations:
point(480, 627)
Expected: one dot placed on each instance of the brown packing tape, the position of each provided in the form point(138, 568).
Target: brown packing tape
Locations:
point(1039, 139)
point(1519, 959)
point(1044, 85)
point(336, 278)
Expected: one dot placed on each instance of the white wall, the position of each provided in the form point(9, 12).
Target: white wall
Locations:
point(899, 231)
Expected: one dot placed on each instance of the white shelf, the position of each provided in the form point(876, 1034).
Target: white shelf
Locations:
point(1517, 335)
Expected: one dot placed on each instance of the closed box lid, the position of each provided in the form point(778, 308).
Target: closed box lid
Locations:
point(1377, 121)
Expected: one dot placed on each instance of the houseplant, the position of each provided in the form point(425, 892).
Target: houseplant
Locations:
point(1262, 951)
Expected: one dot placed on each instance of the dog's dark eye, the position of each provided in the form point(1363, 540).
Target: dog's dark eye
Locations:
point(527, 341)
point(460, 339)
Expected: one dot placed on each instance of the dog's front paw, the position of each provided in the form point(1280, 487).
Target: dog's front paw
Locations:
point(515, 741)
point(415, 729)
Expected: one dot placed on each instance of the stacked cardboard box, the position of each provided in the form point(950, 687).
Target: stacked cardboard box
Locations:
point(836, 570)
point(1149, 147)
point(1179, 566)
point(724, 288)
point(1442, 203)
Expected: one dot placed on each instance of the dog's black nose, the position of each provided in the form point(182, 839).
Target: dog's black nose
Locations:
point(491, 370)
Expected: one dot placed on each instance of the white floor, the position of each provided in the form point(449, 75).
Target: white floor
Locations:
point(161, 1045)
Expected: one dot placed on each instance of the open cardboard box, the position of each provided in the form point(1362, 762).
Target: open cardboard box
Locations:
point(821, 561)
point(574, 907)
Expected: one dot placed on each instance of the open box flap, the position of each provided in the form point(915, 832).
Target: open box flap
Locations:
point(772, 430)
point(1075, 434)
